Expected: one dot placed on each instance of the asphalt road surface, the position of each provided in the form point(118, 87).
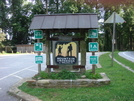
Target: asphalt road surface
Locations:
point(128, 55)
point(16, 67)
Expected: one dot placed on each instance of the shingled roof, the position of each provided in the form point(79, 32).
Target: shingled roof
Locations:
point(65, 21)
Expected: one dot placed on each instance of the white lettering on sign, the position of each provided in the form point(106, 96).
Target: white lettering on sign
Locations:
point(65, 60)
point(94, 34)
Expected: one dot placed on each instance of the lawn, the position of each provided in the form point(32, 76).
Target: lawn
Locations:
point(120, 89)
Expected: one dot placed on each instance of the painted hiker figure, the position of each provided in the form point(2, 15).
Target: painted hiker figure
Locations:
point(69, 50)
point(59, 50)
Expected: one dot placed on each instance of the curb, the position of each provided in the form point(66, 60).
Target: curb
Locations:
point(21, 95)
point(128, 68)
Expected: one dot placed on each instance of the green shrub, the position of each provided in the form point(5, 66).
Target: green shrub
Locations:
point(90, 75)
point(65, 74)
point(43, 75)
point(53, 75)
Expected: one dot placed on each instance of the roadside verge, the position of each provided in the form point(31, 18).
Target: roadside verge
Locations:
point(21, 95)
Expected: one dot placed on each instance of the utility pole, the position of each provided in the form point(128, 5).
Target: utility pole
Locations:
point(114, 18)
point(113, 39)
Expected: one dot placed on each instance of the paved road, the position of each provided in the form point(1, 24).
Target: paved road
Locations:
point(16, 67)
point(128, 55)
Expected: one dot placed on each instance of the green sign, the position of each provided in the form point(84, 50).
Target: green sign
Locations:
point(93, 46)
point(38, 34)
point(38, 46)
point(38, 59)
point(93, 33)
point(93, 59)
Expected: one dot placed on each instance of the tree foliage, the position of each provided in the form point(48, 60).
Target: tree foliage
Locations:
point(16, 16)
point(2, 37)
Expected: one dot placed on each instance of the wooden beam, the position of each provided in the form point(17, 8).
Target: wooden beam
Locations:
point(78, 66)
point(53, 39)
point(52, 66)
point(77, 39)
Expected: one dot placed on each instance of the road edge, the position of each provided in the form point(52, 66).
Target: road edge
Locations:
point(14, 91)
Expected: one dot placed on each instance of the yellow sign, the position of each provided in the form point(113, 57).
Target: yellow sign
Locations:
point(66, 52)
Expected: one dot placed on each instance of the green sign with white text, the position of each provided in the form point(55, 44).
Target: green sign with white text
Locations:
point(38, 46)
point(93, 46)
point(38, 34)
point(93, 59)
point(93, 33)
point(38, 59)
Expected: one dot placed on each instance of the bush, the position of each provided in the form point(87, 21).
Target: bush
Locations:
point(90, 75)
point(54, 75)
point(43, 75)
point(64, 74)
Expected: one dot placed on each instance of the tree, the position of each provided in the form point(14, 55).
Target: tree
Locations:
point(4, 11)
point(20, 21)
point(2, 38)
point(124, 32)
point(2, 35)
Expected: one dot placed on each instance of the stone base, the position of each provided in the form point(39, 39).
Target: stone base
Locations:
point(48, 83)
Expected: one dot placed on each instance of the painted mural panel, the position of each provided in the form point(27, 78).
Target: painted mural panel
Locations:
point(65, 52)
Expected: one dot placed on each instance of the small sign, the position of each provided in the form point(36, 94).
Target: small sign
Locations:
point(93, 59)
point(38, 34)
point(93, 46)
point(38, 46)
point(38, 59)
point(93, 33)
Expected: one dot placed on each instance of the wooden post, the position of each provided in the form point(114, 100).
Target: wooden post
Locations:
point(48, 59)
point(39, 53)
point(83, 51)
point(93, 65)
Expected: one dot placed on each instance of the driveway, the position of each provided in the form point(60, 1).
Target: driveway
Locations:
point(13, 68)
point(129, 55)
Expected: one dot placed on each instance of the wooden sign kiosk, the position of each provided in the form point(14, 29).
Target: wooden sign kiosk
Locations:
point(65, 48)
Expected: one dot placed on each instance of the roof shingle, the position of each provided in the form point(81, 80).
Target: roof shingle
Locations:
point(65, 21)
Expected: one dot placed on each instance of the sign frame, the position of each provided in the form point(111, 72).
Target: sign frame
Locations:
point(38, 34)
point(38, 46)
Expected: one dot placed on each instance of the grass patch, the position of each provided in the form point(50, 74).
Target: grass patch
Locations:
point(123, 60)
point(120, 89)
